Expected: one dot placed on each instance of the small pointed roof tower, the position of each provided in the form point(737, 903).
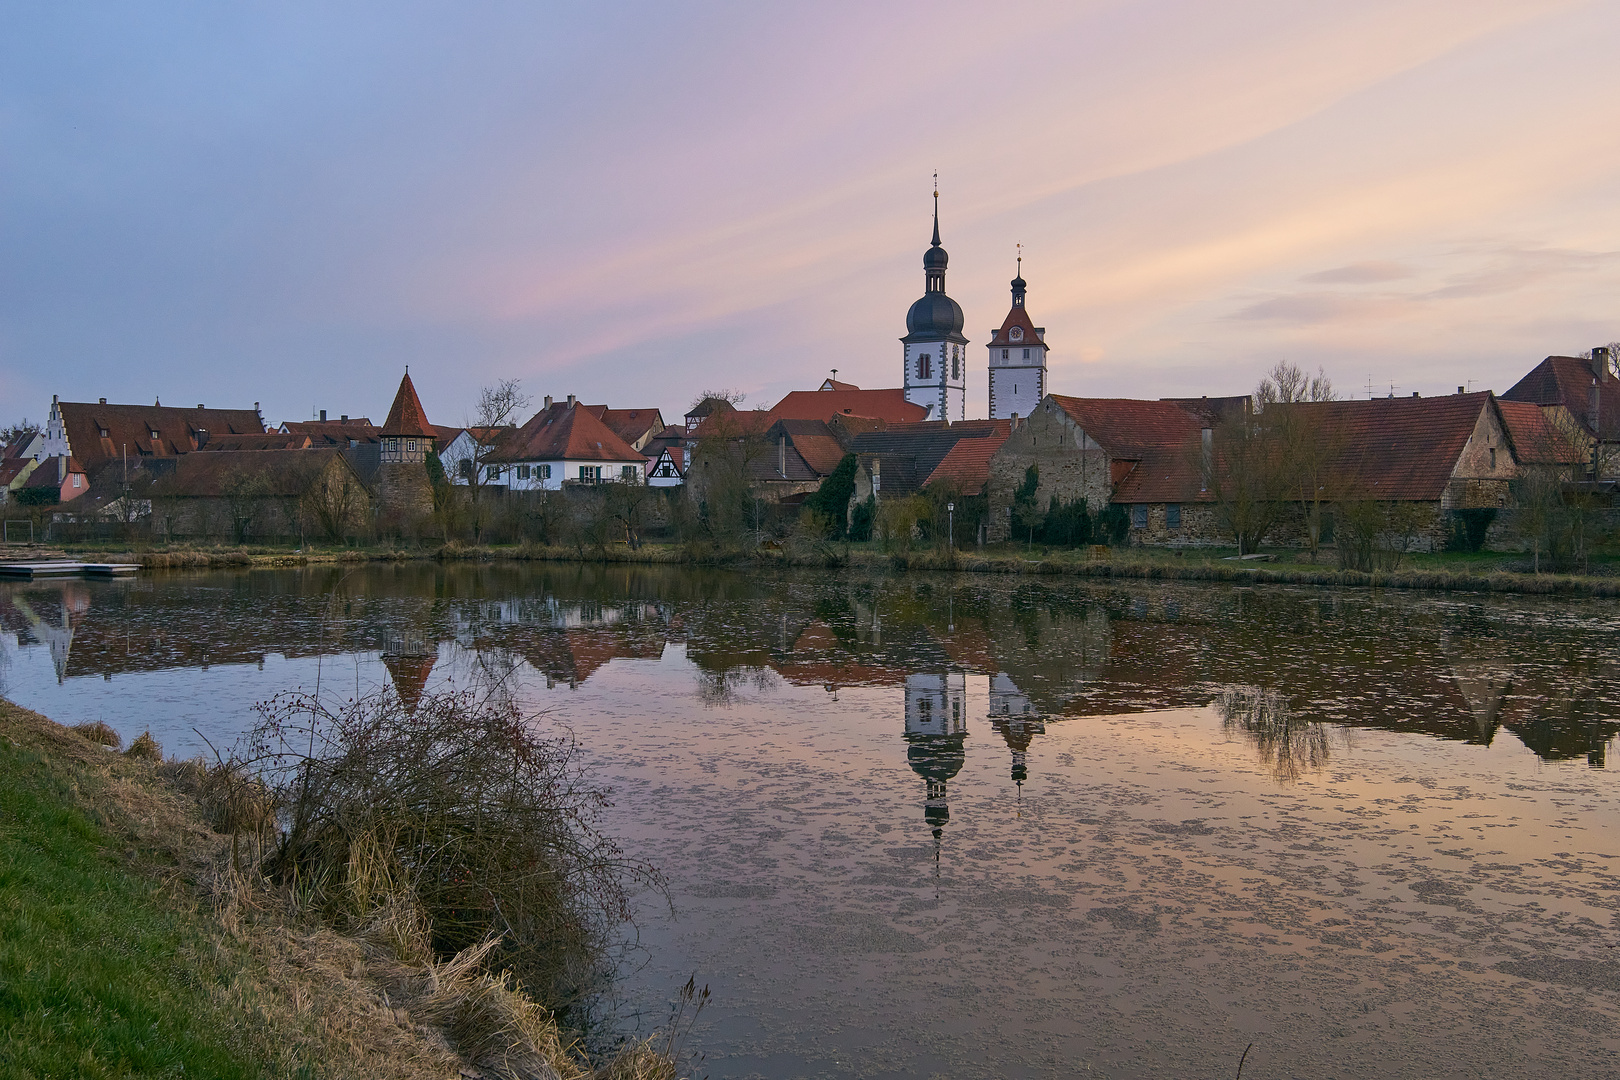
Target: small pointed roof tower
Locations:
point(407, 419)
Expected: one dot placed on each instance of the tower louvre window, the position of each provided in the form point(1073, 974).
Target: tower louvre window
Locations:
point(925, 366)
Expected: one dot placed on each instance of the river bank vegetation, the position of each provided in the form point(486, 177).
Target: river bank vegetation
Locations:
point(283, 917)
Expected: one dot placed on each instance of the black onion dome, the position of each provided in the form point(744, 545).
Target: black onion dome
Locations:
point(1019, 284)
point(935, 316)
point(936, 758)
point(935, 258)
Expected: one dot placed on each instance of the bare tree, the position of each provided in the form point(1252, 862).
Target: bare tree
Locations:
point(1307, 448)
point(499, 407)
point(12, 432)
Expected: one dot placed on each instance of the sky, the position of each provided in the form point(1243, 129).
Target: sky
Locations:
point(634, 203)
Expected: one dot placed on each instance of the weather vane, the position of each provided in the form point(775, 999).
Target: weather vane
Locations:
point(1020, 260)
point(936, 183)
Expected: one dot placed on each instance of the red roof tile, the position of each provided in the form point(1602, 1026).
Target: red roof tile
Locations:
point(564, 433)
point(967, 466)
point(1127, 427)
point(1568, 381)
point(129, 429)
point(406, 419)
point(890, 405)
point(1535, 441)
point(1018, 316)
point(288, 473)
point(1398, 448)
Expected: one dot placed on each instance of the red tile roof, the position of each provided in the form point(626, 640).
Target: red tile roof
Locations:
point(1018, 316)
point(890, 405)
point(129, 428)
point(1398, 448)
point(1535, 441)
point(407, 419)
point(1127, 427)
point(967, 465)
point(564, 433)
point(1567, 381)
point(270, 440)
point(834, 384)
point(629, 424)
point(1164, 474)
point(335, 432)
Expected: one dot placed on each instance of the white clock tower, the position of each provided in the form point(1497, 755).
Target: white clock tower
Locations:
point(1017, 359)
point(935, 350)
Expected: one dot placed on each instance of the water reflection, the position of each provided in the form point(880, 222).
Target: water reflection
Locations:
point(1463, 669)
point(1286, 743)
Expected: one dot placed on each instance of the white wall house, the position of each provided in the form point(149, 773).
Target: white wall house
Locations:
point(563, 443)
point(665, 470)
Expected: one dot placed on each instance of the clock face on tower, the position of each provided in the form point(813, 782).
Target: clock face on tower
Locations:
point(1016, 333)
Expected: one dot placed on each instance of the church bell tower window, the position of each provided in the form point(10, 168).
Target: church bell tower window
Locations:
point(925, 366)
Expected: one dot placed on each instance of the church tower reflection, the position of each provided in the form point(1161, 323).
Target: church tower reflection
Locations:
point(936, 734)
point(1012, 715)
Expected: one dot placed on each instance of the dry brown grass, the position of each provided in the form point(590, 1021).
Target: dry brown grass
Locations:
point(99, 733)
point(368, 1003)
point(145, 748)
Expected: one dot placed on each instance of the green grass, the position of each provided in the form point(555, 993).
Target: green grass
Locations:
point(102, 974)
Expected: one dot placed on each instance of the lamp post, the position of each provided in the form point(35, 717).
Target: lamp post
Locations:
point(950, 529)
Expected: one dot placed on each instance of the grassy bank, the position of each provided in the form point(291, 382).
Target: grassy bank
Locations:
point(1470, 572)
point(104, 972)
point(131, 945)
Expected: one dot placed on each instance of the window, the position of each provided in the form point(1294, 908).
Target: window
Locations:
point(410, 446)
point(1493, 457)
point(103, 433)
point(1026, 354)
point(523, 472)
point(590, 473)
point(627, 472)
point(1139, 516)
point(925, 366)
point(956, 364)
point(1004, 354)
point(464, 468)
point(1172, 516)
point(77, 479)
point(492, 473)
point(544, 471)
point(1015, 388)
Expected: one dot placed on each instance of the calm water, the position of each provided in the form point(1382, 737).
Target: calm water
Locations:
point(978, 827)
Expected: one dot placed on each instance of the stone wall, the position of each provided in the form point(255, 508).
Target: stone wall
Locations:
point(1200, 526)
point(1070, 464)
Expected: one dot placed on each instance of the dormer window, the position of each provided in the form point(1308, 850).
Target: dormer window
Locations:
point(154, 435)
point(103, 433)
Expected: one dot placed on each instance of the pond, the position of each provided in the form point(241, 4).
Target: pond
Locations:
point(933, 825)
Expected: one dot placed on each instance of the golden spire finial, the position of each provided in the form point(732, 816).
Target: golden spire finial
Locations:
point(936, 183)
point(1020, 260)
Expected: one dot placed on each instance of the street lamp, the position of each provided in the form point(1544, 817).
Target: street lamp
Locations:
point(950, 530)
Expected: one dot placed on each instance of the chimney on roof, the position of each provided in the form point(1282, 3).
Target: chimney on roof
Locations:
point(344, 419)
point(1460, 390)
point(548, 401)
point(1600, 363)
point(570, 401)
point(104, 401)
point(323, 414)
point(199, 405)
point(1415, 393)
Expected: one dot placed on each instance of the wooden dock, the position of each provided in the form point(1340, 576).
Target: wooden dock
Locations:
point(65, 568)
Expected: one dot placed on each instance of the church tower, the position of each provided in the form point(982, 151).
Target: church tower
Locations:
point(935, 350)
point(1017, 359)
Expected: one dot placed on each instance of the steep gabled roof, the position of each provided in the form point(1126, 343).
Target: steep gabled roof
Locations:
point(967, 465)
point(129, 429)
point(334, 432)
point(1128, 427)
point(1568, 381)
point(1535, 441)
point(407, 419)
point(813, 440)
point(890, 405)
point(630, 424)
point(910, 453)
point(1017, 316)
point(1163, 474)
point(564, 433)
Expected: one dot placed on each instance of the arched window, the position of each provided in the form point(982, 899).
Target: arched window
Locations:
point(956, 365)
point(925, 366)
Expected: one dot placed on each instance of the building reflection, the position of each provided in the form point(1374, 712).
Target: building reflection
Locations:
point(1049, 650)
point(936, 740)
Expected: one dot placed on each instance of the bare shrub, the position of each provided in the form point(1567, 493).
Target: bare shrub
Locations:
point(99, 733)
point(459, 806)
point(145, 747)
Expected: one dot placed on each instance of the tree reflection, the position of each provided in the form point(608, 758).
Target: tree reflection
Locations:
point(1287, 743)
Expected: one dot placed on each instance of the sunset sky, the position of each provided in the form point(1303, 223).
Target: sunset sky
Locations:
point(636, 202)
